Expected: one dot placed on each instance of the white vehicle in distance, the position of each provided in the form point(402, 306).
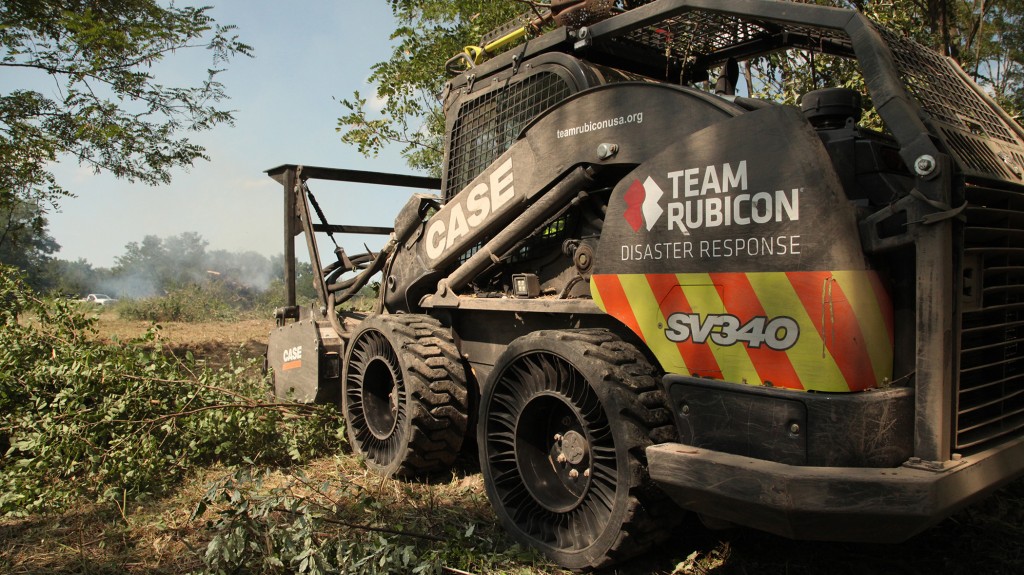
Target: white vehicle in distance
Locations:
point(99, 298)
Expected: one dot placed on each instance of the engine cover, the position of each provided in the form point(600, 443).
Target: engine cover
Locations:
point(735, 255)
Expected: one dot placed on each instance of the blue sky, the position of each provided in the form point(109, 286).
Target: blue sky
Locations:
point(309, 54)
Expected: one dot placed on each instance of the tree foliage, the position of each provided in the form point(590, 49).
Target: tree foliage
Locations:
point(409, 83)
point(88, 89)
point(985, 36)
point(81, 83)
point(155, 266)
point(992, 49)
point(24, 240)
point(177, 278)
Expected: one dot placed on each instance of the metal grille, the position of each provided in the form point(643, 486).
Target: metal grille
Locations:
point(548, 240)
point(932, 79)
point(975, 154)
point(975, 134)
point(699, 34)
point(512, 25)
point(990, 386)
point(487, 125)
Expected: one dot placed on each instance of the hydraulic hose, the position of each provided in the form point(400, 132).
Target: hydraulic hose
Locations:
point(351, 287)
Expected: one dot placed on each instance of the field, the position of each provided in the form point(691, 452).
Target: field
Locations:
point(451, 515)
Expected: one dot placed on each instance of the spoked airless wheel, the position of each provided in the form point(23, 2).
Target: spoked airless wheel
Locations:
point(404, 395)
point(563, 426)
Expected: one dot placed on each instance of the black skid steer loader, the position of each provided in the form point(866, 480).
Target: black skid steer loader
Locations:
point(634, 295)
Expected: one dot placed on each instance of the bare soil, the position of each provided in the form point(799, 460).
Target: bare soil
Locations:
point(212, 343)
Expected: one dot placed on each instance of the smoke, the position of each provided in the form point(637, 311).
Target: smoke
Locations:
point(248, 269)
point(156, 266)
point(129, 286)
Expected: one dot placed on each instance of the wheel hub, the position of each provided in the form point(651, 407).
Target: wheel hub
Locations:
point(574, 447)
point(552, 453)
point(380, 398)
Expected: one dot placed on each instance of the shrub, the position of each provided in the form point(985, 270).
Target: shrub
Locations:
point(116, 421)
point(192, 303)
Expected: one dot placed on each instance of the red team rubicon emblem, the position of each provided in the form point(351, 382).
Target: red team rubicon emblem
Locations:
point(642, 204)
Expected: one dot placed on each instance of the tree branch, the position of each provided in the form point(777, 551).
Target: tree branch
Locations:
point(275, 406)
point(364, 527)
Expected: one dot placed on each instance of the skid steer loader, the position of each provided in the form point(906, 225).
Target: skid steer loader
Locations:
point(634, 296)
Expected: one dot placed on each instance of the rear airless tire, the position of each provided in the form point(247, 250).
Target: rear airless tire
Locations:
point(404, 395)
point(564, 422)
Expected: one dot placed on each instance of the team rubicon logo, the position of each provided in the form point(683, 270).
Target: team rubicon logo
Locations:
point(642, 207)
point(708, 197)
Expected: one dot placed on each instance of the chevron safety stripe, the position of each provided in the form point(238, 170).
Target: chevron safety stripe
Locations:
point(815, 331)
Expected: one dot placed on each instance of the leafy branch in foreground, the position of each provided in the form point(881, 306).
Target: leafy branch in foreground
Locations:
point(267, 524)
point(83, 418)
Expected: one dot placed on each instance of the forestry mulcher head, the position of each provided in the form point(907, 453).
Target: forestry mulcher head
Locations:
point(638, 290)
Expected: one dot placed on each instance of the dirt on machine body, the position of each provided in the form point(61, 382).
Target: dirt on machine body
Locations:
point(634, 296)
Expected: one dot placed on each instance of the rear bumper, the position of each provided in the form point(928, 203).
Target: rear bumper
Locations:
point(828, 503)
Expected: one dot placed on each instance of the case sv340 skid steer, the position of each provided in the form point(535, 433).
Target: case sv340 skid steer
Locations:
point(634, 296)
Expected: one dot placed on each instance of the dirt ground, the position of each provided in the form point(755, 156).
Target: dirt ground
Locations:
point(214, 343)
point(223, 333)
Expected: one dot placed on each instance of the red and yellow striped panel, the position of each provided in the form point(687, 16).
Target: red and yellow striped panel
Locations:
point(815, 331)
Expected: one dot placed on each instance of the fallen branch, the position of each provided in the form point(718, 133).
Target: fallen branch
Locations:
point(285, 407)
point(363, 527)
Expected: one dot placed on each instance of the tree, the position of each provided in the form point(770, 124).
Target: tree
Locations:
point(159, 266)
point(986, 36)
point(429, 33)
point(983, 36)
point(72, 278)
point(992, 49)
point(24, 242)
point(109, 111)
point(156, 266)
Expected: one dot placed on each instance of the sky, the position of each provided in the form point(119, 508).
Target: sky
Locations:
point(309, 55)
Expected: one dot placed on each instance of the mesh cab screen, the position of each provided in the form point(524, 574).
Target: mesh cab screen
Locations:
point(487, 125)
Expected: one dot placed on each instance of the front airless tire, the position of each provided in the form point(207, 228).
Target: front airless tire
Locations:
point(404, 395)
point(564, 423)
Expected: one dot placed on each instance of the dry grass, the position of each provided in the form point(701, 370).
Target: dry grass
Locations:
point(181, 333)
point(153, 537)
point(213, 343)
point(156, 537)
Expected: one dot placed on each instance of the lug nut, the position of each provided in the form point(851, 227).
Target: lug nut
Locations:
point(562, 458)
point(573, 474)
